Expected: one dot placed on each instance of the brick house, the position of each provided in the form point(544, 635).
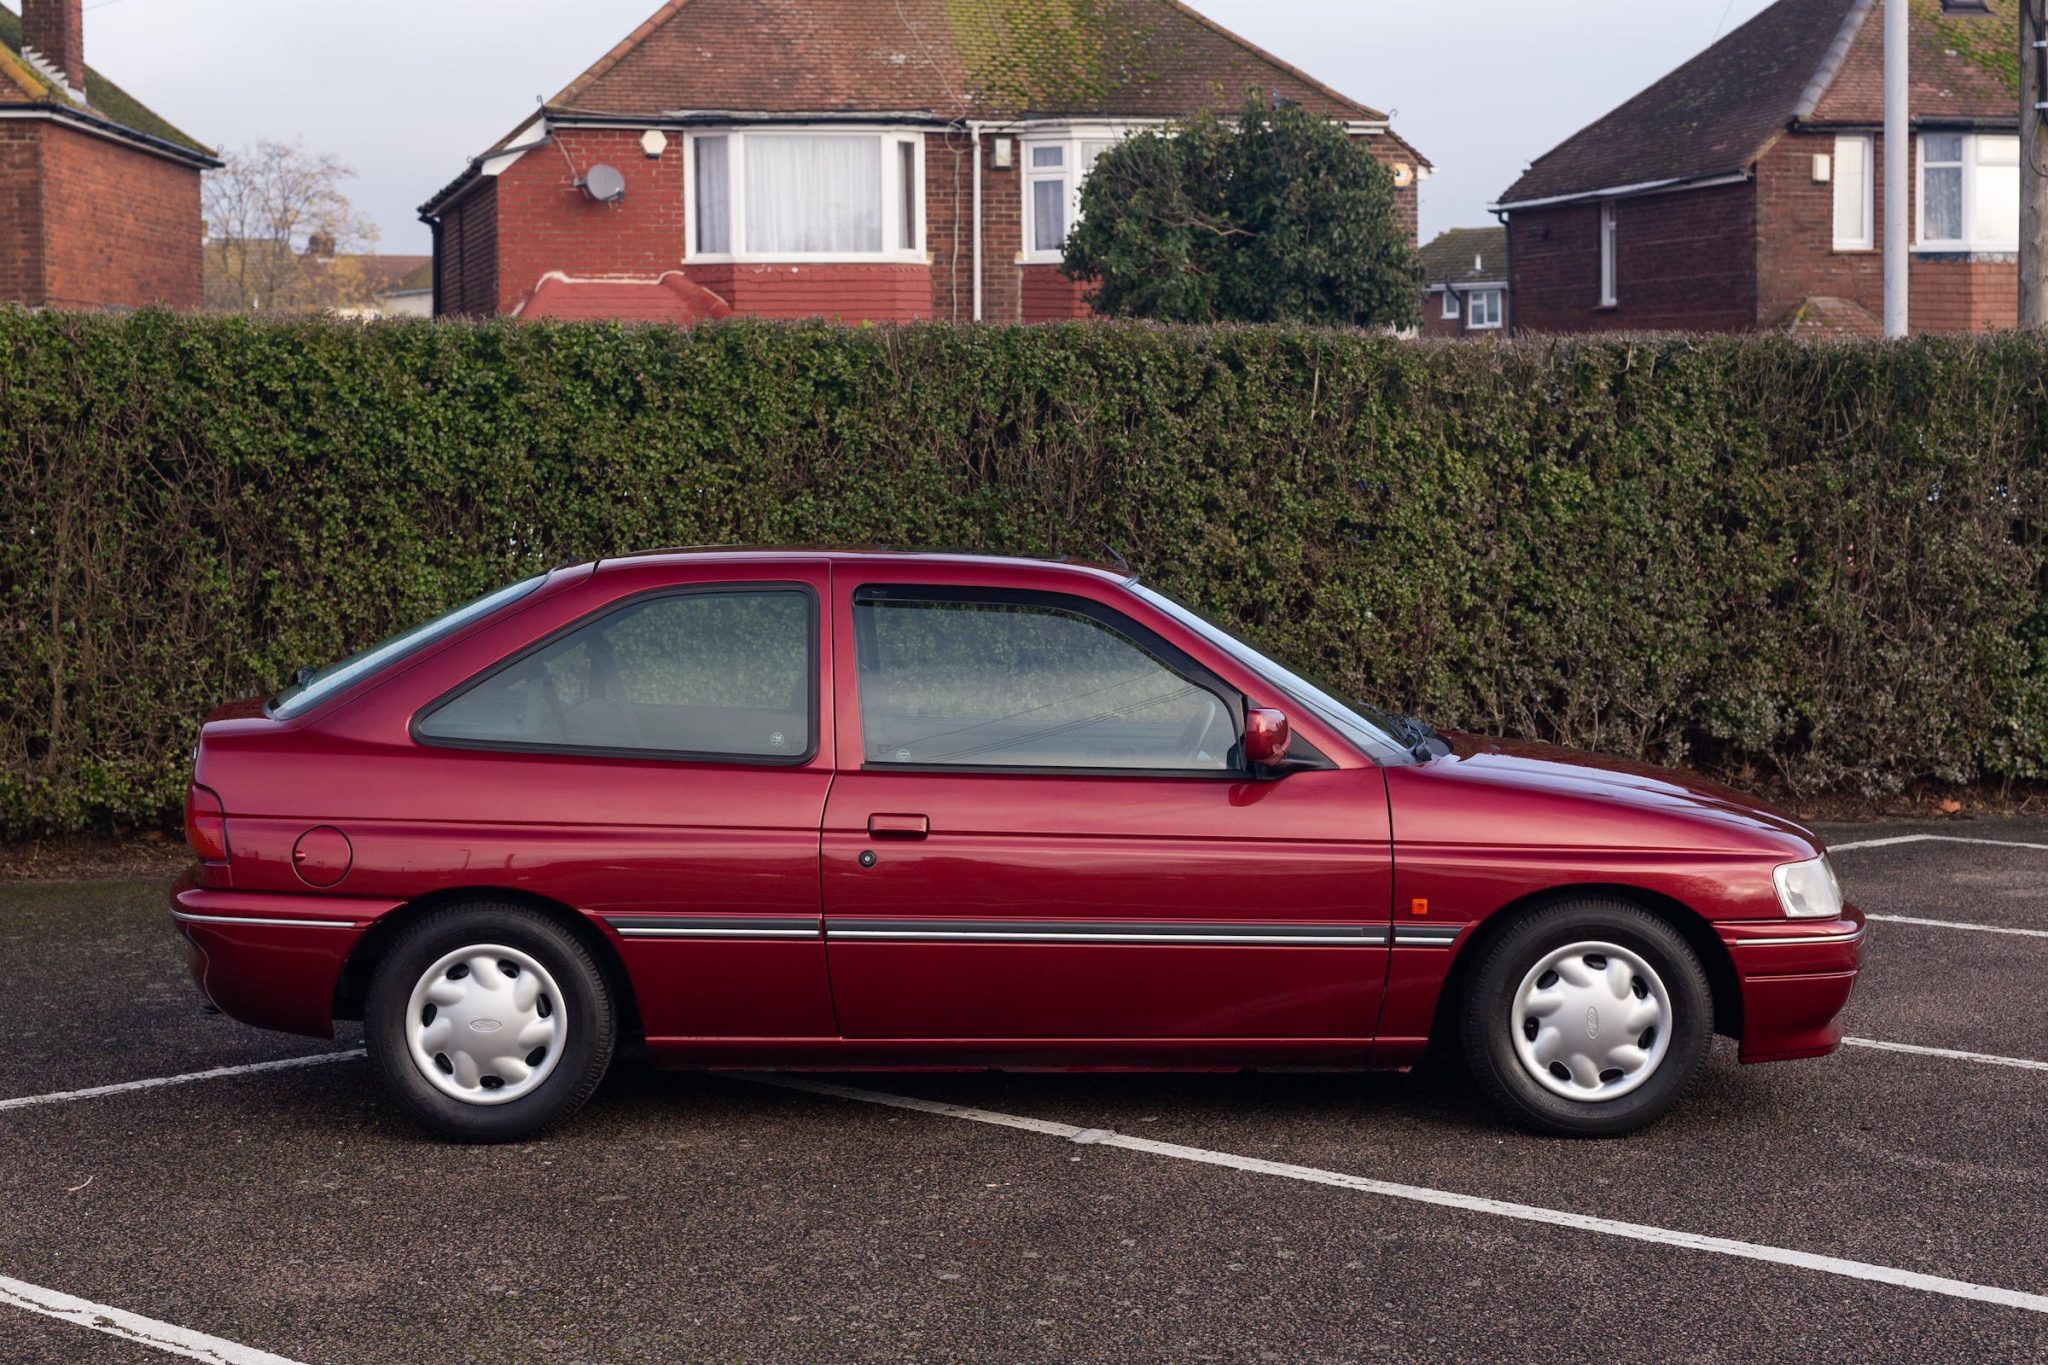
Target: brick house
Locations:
point(1744, 191)
point(858, 159)
point(99, 198)
point(1465, 283)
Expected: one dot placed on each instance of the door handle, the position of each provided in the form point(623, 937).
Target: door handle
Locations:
point(899, 826)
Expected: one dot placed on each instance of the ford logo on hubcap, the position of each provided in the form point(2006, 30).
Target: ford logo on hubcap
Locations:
point(485, 1025)
point(1592, 1022)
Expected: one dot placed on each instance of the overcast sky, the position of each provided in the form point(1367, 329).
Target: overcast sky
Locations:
point(406, 90)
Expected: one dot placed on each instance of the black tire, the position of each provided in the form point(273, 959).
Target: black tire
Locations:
point(589, 1013)
point(1487, 1030)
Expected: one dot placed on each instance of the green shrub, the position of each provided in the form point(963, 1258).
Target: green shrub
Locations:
point(1811, 567)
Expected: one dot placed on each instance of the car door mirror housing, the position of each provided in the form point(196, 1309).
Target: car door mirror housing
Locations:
point(1266, 737)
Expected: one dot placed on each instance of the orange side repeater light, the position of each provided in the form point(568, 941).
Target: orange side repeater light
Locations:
point(1418, 906)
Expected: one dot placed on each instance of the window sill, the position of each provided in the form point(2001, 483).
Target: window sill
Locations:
point(823, 258)
point(1963, 251)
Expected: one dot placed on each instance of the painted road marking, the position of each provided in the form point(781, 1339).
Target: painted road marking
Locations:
point(1959, 924)
point(1930, 838)
point(285, 1064)
point(116, 1322)
point(2027, 1063)
point(1528, 1213)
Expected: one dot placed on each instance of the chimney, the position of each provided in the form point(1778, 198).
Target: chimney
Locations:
point(54, 30)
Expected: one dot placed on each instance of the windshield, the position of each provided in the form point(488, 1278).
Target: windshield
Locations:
point(1365, 726)
point(311, 687)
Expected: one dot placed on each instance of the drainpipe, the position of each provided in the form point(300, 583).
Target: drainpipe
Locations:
point(974, 127)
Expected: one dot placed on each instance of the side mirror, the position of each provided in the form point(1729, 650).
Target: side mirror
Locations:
point(1266, 737)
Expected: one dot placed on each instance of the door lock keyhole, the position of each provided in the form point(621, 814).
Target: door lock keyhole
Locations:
point(867, 857)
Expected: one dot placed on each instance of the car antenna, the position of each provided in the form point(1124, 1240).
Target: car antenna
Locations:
point(1122, 565)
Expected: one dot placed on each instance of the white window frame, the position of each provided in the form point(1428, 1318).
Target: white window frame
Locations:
point(1867, 150)
point(1072, 137)
point(1973, 238)
point(1451, 308)
point(1610, 254)
point(736, 196)
point(1473, 312)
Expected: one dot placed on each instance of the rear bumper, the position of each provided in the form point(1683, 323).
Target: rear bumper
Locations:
point(1795, 976)
point(267, 959)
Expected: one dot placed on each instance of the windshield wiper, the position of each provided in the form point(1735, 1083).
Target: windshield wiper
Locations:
point(1420, 736)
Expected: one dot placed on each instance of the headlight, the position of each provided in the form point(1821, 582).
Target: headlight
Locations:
point(1808, 890)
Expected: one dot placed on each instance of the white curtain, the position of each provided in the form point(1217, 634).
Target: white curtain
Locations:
point(810, 193)
point(714, 196)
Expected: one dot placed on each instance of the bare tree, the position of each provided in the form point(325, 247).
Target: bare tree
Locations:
point(280, 232)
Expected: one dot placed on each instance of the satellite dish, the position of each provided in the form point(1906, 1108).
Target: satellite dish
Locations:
point(604, 184)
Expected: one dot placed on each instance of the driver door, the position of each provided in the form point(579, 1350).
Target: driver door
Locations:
point(1041, 830)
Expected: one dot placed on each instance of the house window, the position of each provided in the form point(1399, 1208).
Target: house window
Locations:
point(1969, 192)
point(808, 195)
point(1482, 309)
point(1852, 194)
point(1053, 174)
point(1450, 302)
point(1608, 254)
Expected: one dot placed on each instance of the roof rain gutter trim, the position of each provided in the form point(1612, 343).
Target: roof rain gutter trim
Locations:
point(107, 128)
point(1684, 182)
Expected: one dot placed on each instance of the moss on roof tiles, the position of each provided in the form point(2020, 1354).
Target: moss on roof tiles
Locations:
point(1055, 56)
point(102, 96)
point(1989, 42)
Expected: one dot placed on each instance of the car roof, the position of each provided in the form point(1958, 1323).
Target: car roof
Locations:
point(866, 554)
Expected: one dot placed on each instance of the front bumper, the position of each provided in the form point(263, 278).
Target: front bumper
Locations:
point(1795, 977)
point(268, 959)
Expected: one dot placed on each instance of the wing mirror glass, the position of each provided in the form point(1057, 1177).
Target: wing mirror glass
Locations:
point(1266, 737)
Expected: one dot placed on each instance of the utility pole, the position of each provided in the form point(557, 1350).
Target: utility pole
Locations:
point(1897, 142)
point(2033, 168)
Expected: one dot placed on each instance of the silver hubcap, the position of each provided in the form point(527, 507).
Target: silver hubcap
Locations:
point(1591, 1021)
point(486, 1024)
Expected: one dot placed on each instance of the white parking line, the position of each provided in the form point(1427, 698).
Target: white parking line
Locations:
point(2026, 1063)
point(1528, 1213)
point(1930, 838)
point(156, 1082)
point(1959, 924)
point(116, 1322)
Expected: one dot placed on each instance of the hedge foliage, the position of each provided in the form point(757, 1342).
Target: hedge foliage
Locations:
point(1813, 567)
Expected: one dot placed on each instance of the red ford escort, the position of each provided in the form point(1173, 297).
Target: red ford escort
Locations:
point(822, 809)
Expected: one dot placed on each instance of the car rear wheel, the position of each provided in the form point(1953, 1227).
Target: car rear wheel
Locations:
point(489, 1022)
point(1588, 1018)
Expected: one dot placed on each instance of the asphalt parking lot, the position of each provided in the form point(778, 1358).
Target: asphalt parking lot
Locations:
point(1886, 1203)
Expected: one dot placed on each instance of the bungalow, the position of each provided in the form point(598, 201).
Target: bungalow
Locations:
point(858, 159)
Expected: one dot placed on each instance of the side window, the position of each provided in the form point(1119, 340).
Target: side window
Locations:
point(1025, 685)
point(718, 674)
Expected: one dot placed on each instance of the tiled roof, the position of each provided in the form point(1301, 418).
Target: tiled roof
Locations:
point(1711, 116)
point(952, 58)
point(1460, 254)
point(672, 298)
point(1960, 65)
point(21, 84)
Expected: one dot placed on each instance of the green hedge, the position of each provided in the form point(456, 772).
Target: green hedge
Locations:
point(1816, 568)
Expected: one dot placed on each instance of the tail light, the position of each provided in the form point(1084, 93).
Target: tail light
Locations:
point(206, 824)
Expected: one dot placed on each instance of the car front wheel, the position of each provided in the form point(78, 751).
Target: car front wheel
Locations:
point(1588, 1018)
point(489, 1022)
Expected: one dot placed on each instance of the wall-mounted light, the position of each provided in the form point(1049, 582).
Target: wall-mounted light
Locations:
point(1002, 152)
point(1404, 175)
point(654, 142)
point(1823, 168)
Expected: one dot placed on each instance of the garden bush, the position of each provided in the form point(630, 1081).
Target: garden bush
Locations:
point(1814, 568)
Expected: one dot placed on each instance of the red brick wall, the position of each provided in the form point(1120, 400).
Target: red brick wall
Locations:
point(948, 228)
point(466, 266)
point(1795, 252)
point(1684, 261)
point(1796, 256)
point(847, 293)
point(21, 214)
point(1407, 203)
point(545, 223)
point(1049, 296)
point(122, 228)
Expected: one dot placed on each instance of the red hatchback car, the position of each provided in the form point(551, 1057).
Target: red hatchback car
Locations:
point(822, 809)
